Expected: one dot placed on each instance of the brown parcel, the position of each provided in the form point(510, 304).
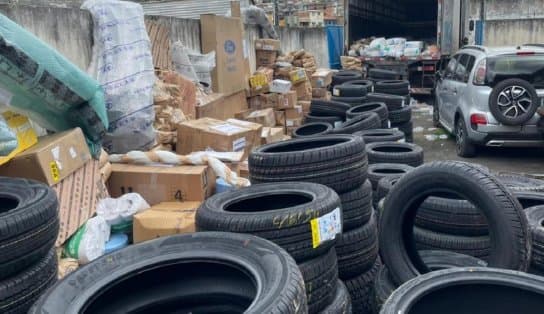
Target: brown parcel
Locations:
point(305, 106)
point(304, 90)
point(205, 133)
point(52, 159)
point(165, 219)
point(255, 127)
point(265, 117)
point(159, 184)
point(319, 93)
point(222, 106)
point(264, 101)
point(321, 78)
point(265, 58)
point(280, 118)
point(268, 44)
point(271, 135)
point(223, 35)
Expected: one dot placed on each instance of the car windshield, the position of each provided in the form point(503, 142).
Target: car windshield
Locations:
point(527, 67)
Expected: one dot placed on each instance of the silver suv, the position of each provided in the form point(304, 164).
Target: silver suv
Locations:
point(489, 96)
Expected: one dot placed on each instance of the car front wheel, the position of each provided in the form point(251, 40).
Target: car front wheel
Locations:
point(462, 145)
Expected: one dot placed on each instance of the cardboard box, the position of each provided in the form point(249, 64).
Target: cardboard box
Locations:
point(268, 44)
point(321, 78)
point(223, 35)
point(164, 219)
point(293, 123)
point(78, 195)
point(258, 84)
point(223, 106)
point(280, 117)
point(298, 76)
point(268, 72)
point(255, 127)
point(304, 90)
point(159, 184)
point(271, 100)
point(319, 93)
point(265, 58)
point(244, 169)
point(294, 113)
point(280, 86)
point(289, 132)
point(271, 135)
point(305, 105)
point(52, 159)
point(206, 133)
point(265, 117)
point(291, 99)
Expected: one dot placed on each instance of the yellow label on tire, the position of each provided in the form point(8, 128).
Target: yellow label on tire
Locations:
point(315, 233)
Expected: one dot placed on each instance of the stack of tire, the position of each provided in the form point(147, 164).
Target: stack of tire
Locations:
point(376, 75)
point(509, 248)
point(339, 162)
point(396, 96)
point(352, 92)
point(204, 272)
point(282, 212)
point(29, 225)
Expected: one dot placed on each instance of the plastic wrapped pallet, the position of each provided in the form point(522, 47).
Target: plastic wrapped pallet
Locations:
point(40, 83)
point(193, 65)
point(123, 64)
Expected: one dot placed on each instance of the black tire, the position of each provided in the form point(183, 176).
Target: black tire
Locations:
point(386, 124)
point(381, 135)
point(463, 146)
point(530, 199)
point(356, 206)
point(369, 85)
point(535, 216)
point(406, 128)
point(393, 84)
point(318, 117)
point(361, 290)
point(383, 74)
point(312, 130)
point(435, 260)
point(346, 90)
point(384, 186)
point(200, 272)
point(357, 249)
point(376, 172)
point(526, 103)
point(401, 116)
point(337, 161)
point(519, 183)
point(328, 107)
point(364, 121)
point(378, 107)
point(341, 304)
point(320, 280)
point(393, 102)
point(477, 246)
point(400, 92)
point(279, 212)
point(451, 216)
point(19, 292)
point(351, 101)
point(510, 239)
point(491, 291)
point(395, 153)
point(345, 76)
point(29, 223)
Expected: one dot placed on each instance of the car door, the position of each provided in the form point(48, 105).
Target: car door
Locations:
point(459, 84)
point(445, 93)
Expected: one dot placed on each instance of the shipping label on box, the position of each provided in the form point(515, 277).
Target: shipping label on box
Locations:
point(258, 84)
point(164, 219)
point(264, 117)
point(280, 86)
point(293, 122)
point(159, 184)
point(52, 159)
point(265, 58)
point(321, 78)
point(298, 76)
point(268, 44)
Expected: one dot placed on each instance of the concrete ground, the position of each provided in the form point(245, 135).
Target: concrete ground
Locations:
point(438, 145)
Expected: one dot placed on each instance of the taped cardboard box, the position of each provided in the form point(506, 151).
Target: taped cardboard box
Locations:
point(164, 219)
point(265, 58)
point(218, 135)
point(268, 72)
point(78, 195)
point(304, 90)
point(222, 106)
point(52, 159)
point(272, 135)
point(159, 184)
point(223, 35)
point(280, 117)
point(244, 169)
point(255, 127)
point(298, 76)
point(294, 113)
point(268, 44)
point(265, 117)
point(305, 105)
point(319, 93)
point(258, 84)
point(271, 100)
point(321, 78)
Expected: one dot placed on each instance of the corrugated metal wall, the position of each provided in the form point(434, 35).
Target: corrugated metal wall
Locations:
point(189, 9)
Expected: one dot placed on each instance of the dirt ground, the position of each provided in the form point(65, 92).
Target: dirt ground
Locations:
point(438, 145)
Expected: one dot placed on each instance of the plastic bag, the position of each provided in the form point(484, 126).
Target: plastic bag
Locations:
point(89, 242)
point(37, 81)
point(193, 65)
point(119, 210)
point(378, 44)
point(8, 139)
point(123, 65)
point(254, 15)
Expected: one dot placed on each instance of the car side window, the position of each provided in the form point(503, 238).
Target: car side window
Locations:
point(450, 69)
point(464, 67)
